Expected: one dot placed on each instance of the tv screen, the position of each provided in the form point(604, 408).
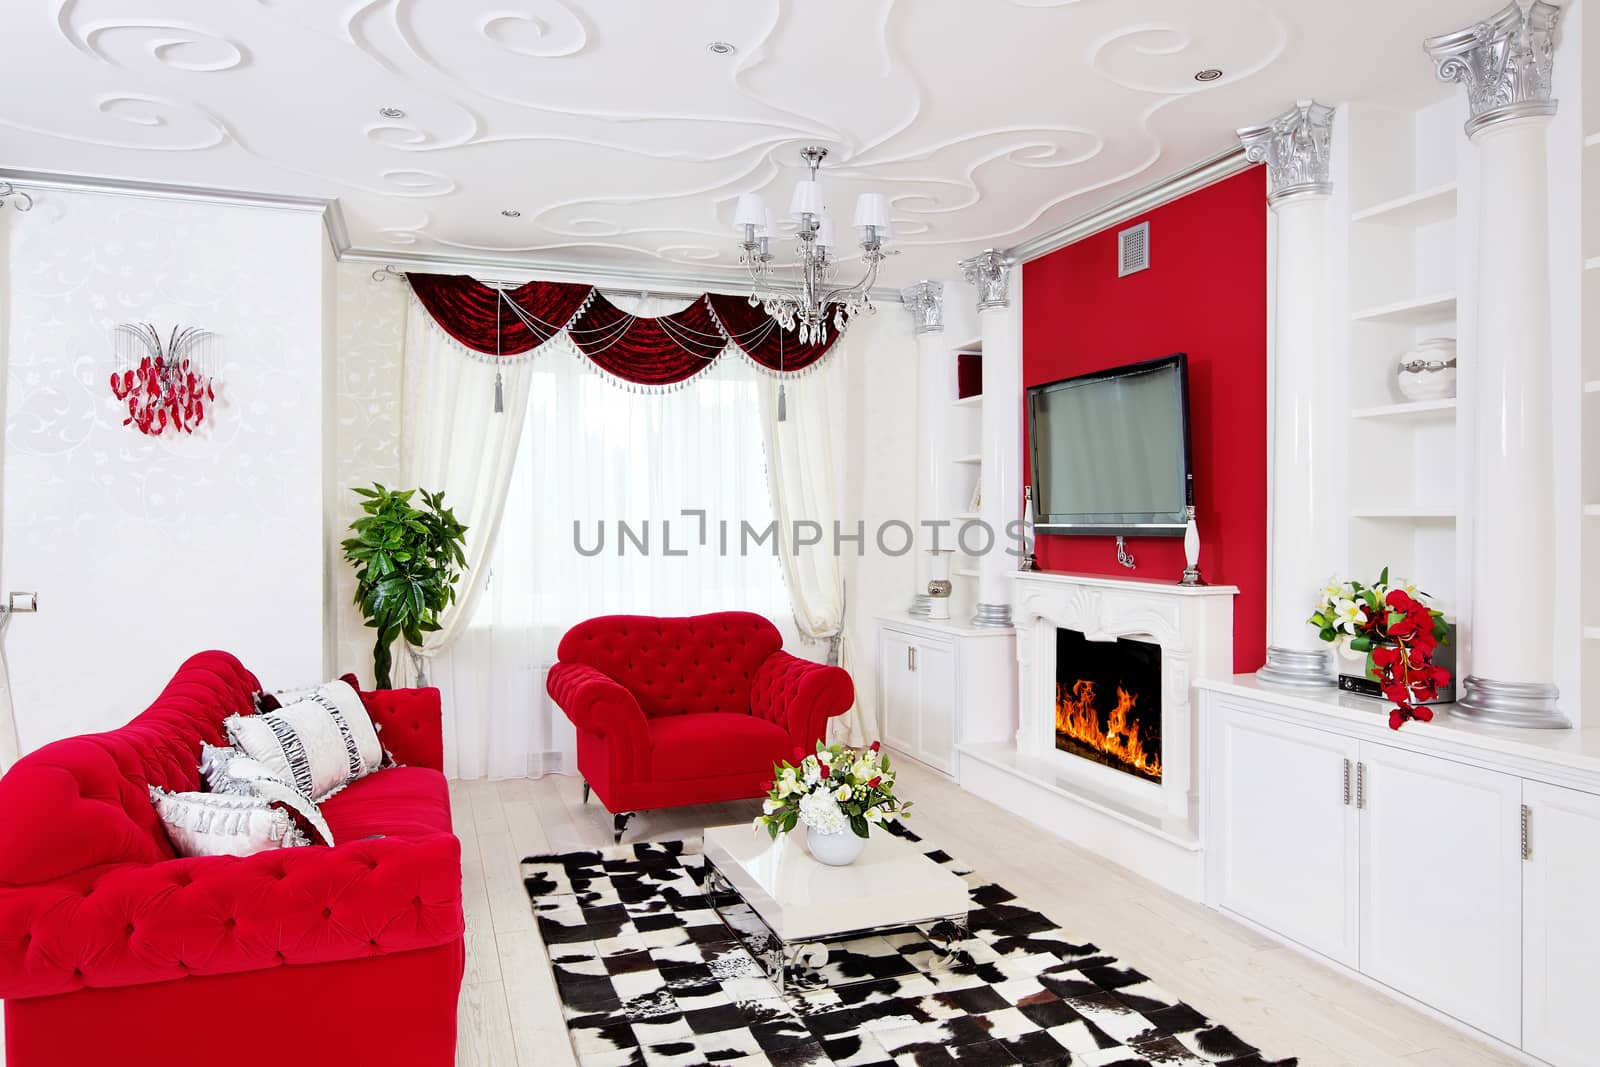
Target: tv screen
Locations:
point(1109, 451)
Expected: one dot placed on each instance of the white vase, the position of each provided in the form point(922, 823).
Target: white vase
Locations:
point(1428, 372)
point(836, 850)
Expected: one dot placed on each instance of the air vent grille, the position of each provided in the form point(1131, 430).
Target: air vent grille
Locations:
point(1133, 249)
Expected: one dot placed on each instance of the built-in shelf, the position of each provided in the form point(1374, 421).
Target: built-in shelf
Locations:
point(1413, 209)
point(969, 459)
point(973, 347)
point(969, 401)
point(1591, 633)
point(1411, 409)
point(1592, 140)
point(1592, 263)
point(1418, 310)
point(965, 516)
point(1592, 385)
point(1405, 511)
point(1592, 510)
point(966, 572)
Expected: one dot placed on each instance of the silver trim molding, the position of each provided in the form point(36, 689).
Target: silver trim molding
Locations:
point(1297, 668)
point(1526, 705)
point(992, 616)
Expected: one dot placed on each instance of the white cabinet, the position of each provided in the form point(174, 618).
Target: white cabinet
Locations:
point(916, 682)
point(1286, 829)
point(1560, 923)
point(1441, 884)
point(938, 684)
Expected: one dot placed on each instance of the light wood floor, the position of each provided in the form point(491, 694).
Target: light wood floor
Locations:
point(1270, 995)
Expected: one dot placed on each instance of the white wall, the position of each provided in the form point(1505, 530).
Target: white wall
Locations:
point(146, 550)
point(370, 335)
point(880, 485)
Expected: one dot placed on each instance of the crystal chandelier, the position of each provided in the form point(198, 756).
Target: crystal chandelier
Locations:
point(810, 288)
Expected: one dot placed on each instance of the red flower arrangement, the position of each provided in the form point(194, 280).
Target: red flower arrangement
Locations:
point(1399, 633)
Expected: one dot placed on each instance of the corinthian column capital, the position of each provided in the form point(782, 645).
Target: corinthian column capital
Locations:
point(1294, 146)
point(1504, 62)
point(925, 301)
point(990, 271)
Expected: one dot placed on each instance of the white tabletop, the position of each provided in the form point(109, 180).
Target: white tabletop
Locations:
point(891, 884)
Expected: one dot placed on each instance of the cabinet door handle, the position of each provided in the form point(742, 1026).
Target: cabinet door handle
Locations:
point(1361, 785)
point(911, 657)
point(1527, 846)
point(1347, 783)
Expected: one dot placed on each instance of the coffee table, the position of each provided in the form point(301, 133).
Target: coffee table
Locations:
point(799, 904)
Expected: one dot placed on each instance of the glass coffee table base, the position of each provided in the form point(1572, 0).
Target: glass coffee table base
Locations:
point(779, 959)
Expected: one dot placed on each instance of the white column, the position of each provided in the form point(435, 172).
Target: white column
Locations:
point(1504, 62)
point(935, 386)
point(1000, 434)
point(1300, 527)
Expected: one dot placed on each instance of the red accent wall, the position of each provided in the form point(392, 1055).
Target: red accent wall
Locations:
point(1205, 293)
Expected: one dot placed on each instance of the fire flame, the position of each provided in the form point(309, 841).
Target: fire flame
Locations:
point(1077, 718)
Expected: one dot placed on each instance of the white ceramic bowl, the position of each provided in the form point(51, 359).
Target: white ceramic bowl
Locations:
point(1428, 372)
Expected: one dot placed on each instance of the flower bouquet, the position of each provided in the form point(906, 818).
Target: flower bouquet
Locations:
point(838, 793)
point(1392, 624)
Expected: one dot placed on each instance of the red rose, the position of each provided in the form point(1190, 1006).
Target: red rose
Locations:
point(874, 746)
point(826, 770)
point(875, 780)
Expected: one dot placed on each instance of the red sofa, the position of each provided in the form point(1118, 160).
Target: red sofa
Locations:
point(115, 951)
point(690, 710)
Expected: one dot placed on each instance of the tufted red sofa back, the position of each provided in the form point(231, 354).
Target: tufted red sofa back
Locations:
point(83, 801)
point(674, 666)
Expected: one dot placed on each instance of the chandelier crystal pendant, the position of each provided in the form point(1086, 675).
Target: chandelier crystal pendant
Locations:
point(801, 294)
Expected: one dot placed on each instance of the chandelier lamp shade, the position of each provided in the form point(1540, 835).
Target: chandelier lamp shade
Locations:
point(803, 295)
point(164, 384)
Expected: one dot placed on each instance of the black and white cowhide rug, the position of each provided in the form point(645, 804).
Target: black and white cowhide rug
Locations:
point(648, 974)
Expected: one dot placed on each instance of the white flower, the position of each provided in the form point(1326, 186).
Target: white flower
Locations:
point(874, 814)
point(769, 806)
point(1349, 615)
point(842, 794)
point(1336, 590)
point(820, 812)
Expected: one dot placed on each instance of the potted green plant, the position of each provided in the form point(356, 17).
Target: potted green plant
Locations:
point(408, 560)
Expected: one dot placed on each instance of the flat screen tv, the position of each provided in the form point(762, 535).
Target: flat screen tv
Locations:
point(1109, 451)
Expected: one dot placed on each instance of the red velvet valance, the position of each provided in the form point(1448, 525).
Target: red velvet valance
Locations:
point(659, 351)
point(762, 339)
point(475, 315)
point(646, 351)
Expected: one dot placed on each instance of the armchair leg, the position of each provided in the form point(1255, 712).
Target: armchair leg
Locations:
point(619, 823)
point(586, 792)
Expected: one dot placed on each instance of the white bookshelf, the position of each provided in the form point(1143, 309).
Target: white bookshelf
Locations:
point(1587, 104)
point(967, 413)
point(1404, 283)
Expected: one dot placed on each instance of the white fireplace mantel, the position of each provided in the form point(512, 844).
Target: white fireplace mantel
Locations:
point(1153, 828)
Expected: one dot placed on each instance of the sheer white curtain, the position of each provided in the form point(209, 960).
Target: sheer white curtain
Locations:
point(596, 454)
point(804, 457)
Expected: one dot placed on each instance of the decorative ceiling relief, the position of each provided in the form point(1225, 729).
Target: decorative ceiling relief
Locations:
point(614, 137)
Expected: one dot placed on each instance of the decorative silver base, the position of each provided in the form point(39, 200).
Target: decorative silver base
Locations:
point(1297, 668)
point(919, 604)
point(1528, 705)
point(1191, 576)
point(992, 616)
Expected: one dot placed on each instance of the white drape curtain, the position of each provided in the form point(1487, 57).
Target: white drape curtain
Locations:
point(453, 440)
point(594, 453)
point(804, 456)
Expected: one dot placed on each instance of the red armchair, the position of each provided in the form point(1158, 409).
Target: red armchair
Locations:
point(114, 950)
point(688, 711)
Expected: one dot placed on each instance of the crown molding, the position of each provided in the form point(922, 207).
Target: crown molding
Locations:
point(492, 267)
point(1206, 172)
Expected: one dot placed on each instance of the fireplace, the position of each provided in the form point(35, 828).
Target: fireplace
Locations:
point(1108, 702)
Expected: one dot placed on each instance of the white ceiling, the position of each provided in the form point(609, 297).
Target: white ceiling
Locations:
point(624, 141)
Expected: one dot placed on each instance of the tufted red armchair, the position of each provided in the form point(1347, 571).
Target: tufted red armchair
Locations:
point(113, 950)
point(688, 711)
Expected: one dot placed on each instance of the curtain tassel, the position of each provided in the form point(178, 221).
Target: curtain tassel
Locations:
point(783, 404)
point(499, 394)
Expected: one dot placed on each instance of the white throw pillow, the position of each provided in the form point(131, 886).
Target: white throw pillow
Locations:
point(215, 824)
point(315, 745)
point(214, 776)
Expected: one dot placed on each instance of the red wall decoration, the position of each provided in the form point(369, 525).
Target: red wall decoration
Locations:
point(1205, 293)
